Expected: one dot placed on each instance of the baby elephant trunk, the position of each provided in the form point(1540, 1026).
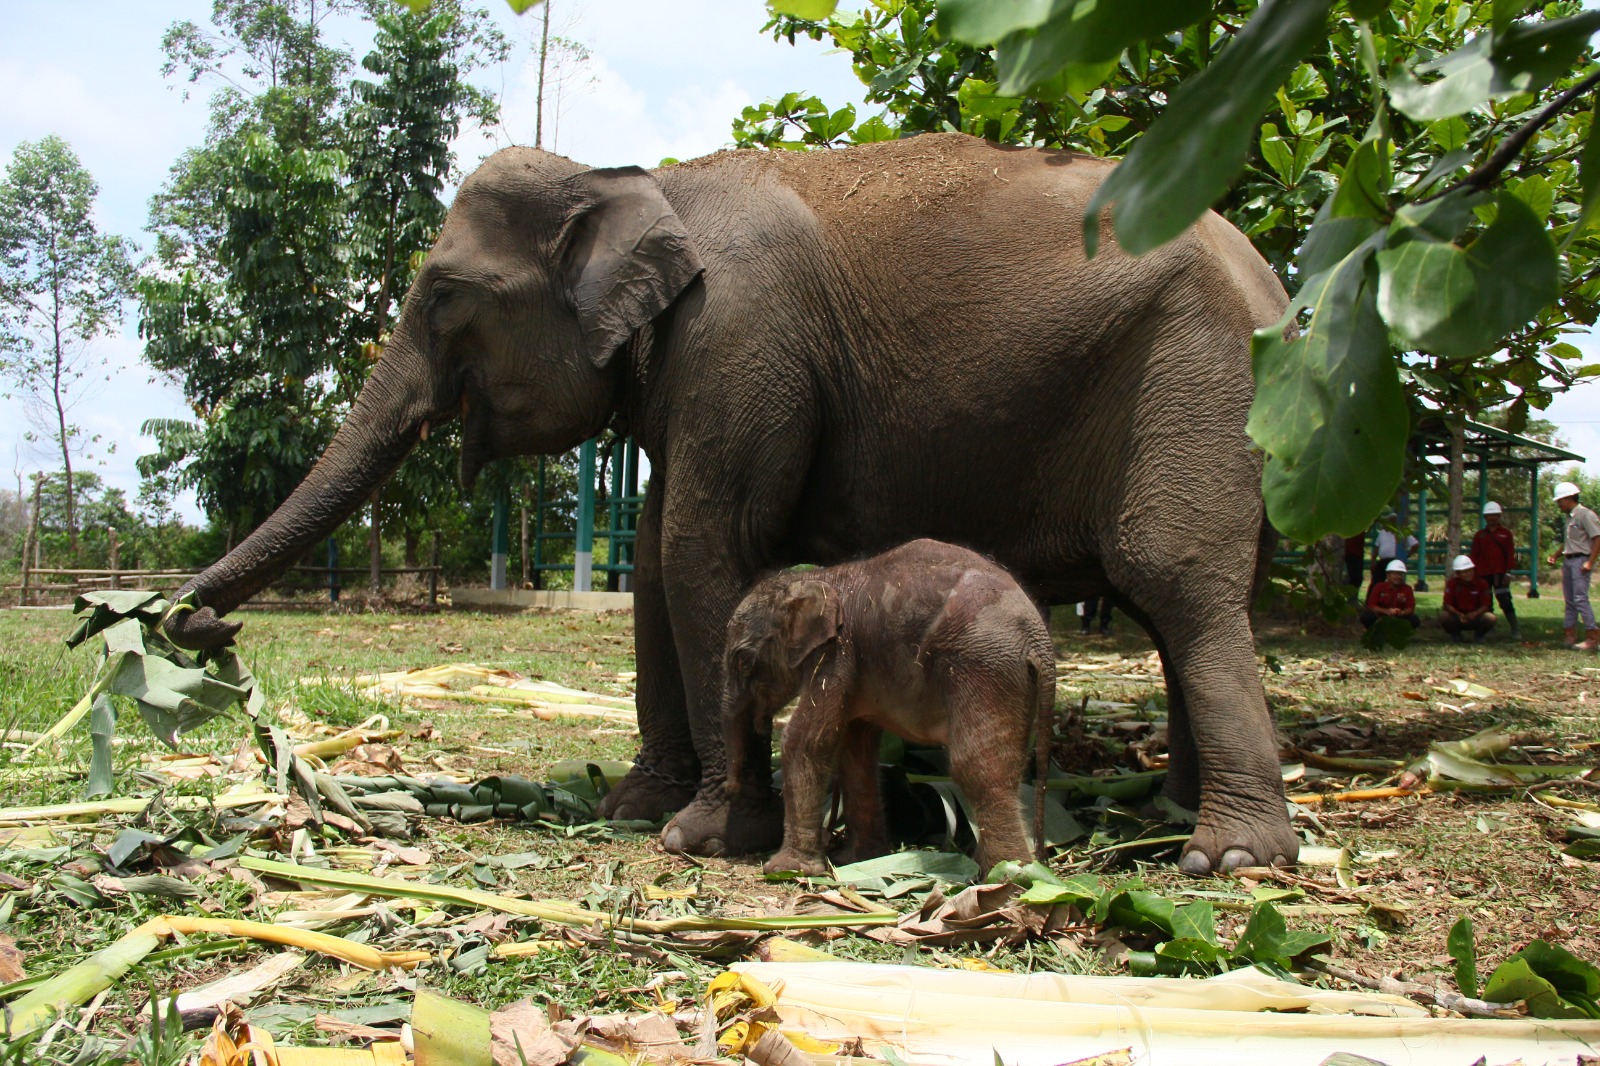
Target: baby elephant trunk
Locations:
point(737, 725)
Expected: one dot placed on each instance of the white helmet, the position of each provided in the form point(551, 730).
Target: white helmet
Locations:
point(1565, 489)
point(1396, 566)
point(1462, 562)
point(1491, 508)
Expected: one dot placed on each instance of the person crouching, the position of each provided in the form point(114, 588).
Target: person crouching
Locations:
point(1391, 598)
point(1468, 603)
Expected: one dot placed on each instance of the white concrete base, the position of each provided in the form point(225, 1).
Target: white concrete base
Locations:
point(552, 599)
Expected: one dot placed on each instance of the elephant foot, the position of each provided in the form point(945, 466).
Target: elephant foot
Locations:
point(787, 861)
point(645, 796)
point(719, 824)
point(1222, 845)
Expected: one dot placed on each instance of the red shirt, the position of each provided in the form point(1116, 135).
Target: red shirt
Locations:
point(1387, 597)
point(1494, 551)
point(1465, 597)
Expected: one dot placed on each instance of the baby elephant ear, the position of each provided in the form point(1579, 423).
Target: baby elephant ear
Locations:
point(627, 259)
point(810, 619)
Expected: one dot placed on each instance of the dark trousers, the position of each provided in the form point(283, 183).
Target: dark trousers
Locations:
point(1501, 583)
point(1101, 604)
point(1352, 571)
point(1455, 626)
point(1369, 616)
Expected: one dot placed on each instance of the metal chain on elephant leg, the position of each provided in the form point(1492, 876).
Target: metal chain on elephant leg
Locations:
point(690, 783)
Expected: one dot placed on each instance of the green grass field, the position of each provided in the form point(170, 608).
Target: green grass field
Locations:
point(1424, 860)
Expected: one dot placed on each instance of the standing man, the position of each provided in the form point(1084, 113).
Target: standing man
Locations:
point(1468, 603)
point(1577, 557)
point(1494, 556)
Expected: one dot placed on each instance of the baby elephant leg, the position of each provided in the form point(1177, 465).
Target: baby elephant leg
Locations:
point(810, 763)
point(858, 784)
point(988, 752)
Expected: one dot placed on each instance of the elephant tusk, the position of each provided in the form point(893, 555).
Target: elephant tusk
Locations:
point(424, 429)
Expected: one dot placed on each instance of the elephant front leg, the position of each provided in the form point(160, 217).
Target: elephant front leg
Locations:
point(666, 774)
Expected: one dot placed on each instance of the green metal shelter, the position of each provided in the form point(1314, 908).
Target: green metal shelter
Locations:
point(1484, 448)
point(618, 529)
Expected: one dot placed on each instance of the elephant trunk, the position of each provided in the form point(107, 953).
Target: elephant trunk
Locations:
point(383, 426)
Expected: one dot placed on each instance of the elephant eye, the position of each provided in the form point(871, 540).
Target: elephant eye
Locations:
point(446, 308)
point(744, 661)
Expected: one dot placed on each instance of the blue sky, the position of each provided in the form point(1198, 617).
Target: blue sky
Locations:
point(666, 79)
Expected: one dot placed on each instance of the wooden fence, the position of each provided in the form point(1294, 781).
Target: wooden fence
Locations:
point(46, 586)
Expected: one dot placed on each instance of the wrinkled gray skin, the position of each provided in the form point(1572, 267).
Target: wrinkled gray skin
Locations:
point(825, 354)
point(932, 642)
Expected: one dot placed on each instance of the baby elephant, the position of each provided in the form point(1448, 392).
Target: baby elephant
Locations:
point(930, 641)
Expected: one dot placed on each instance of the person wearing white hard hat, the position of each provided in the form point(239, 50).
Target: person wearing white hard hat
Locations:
point(1388, 546)
point(1579, 547)
point(1391, 598)
point(1468, 603)
point(1494, 556)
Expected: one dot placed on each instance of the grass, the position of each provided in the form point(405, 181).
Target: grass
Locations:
point(1496, 857)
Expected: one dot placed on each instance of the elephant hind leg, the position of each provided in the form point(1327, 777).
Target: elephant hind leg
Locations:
point(1221, 736)
point(988, 746)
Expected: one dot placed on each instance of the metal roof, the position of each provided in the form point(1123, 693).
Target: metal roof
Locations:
point(1494, 444)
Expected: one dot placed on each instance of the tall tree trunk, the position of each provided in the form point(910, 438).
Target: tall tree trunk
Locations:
point(413, 542)
point(1458, 432)
point(544, 51)
point(381, 323)
point(61, 411)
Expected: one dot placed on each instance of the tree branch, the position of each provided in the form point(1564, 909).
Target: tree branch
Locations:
point(1508, 150)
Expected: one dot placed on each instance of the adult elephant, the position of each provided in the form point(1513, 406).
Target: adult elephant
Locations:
point(824, 354)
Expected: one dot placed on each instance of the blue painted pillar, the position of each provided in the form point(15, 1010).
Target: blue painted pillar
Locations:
point(501, 548)
point(583, 558)
point(333, 570)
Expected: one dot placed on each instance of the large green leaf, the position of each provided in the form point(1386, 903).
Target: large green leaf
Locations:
point(1194, 151)
point(812, 10)
point(1087, 34)
point(1464, 951)
point(1329, 410)
point(986, 21)
point(1589, 176)
point(1454, 301)
point(1515, 980)
point(1525, 57)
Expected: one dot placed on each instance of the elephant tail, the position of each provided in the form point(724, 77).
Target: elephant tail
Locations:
point(1043, 668)
point(1266, 548)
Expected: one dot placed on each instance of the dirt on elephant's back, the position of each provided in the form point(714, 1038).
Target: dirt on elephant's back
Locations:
point(929, 173)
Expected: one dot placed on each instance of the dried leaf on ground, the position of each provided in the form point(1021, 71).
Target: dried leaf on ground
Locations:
point(521, 1034)
point(10, 961)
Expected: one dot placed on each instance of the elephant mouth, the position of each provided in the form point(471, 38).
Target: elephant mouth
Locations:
point(477, 448)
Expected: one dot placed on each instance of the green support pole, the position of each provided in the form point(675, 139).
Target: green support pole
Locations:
point(583, 558)
point(1533, 532)
point(502, 539)
point(1422, 538)
point(538, 529)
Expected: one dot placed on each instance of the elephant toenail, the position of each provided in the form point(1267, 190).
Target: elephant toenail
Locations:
point(1195, 863)
point(672, 839)
point(1234, 858)
point(1280, 860)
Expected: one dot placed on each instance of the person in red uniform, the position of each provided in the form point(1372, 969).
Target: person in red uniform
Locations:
point(1391, 598)
point(1468, 603)
point(1494, 556)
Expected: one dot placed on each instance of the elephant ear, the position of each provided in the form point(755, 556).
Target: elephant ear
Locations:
point(810, 619)
point(628, 257)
